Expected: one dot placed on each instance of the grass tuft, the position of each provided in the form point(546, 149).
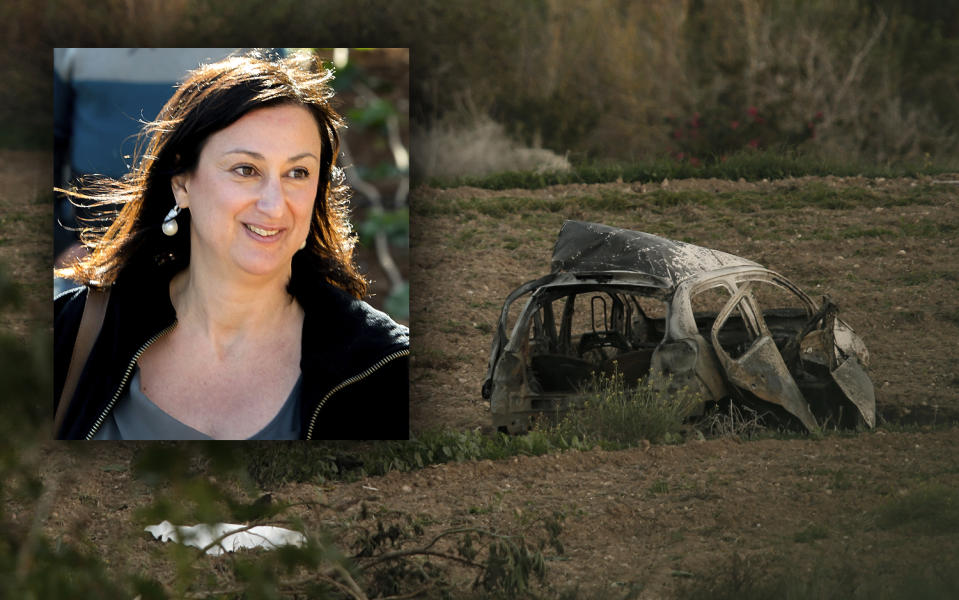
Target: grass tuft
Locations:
point(932, 509)
point(616, 415)
point(811, 533)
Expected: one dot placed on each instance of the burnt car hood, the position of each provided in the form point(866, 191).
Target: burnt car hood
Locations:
point(590, 247)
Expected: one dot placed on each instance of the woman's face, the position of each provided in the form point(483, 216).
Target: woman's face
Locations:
point(252, 192)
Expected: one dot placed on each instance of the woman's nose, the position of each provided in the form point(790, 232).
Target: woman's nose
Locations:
point(271, 197)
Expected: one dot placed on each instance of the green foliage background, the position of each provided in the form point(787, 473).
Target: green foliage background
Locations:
point(598, 79)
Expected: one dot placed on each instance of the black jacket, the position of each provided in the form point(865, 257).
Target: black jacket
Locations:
point(354, 359)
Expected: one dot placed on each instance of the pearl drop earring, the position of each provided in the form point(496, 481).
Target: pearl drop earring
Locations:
point(170, 226)
point(303, 245)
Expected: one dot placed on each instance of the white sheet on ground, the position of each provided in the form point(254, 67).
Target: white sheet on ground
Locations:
point(201, 536)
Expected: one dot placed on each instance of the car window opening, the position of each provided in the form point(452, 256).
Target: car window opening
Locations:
point(599, 334)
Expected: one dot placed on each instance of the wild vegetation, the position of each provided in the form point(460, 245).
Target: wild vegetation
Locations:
point(751, 165)
point(694, 81)
point(700, 82)
point(615, 415)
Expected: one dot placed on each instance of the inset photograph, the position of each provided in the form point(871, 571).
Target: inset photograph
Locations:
point(231, 244)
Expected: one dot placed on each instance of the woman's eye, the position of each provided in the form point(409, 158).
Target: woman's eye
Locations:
point(299, 173)
point(244, 170)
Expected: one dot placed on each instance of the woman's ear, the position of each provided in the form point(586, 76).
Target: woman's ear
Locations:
point(180, 193)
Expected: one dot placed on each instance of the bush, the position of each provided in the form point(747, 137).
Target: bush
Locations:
point(479, 148)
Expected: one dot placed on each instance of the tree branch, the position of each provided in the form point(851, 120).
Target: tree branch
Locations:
point(421, 552)
point(858, 59)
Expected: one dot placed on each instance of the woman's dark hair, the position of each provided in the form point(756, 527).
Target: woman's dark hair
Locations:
point(214, 97)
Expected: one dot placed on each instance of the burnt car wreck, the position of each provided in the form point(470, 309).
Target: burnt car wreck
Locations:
point(725, 327)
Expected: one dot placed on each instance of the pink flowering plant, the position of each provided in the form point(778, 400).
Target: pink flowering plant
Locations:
point(713, 135)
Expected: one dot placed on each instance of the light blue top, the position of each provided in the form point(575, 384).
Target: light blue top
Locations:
point(135, 417)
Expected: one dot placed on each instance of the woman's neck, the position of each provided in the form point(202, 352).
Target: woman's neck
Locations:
point(230, 312)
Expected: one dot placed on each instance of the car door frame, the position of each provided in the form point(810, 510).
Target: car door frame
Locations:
point(761, 369)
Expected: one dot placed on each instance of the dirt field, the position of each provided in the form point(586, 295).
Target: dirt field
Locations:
point(643, 521)
point(877, 510)
point(26, 237)
point(884, 250)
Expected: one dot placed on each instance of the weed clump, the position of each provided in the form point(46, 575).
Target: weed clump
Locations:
point(618, 415)
point(931, 510)
point(734, 421)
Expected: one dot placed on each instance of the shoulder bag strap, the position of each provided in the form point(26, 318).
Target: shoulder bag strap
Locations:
point(90, 324)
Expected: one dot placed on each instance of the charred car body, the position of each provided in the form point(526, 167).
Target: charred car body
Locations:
point(725, 327)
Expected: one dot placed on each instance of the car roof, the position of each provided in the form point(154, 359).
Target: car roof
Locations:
point(583, 247)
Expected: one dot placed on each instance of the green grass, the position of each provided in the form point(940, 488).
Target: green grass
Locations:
point(667, 198)
point(927, 228)
point(466, 239)
point(812, 195)
point(811, 533)
point(930, 509)
point(614, 418)
point(510, 206)
point(923, 277)
point(866, 232)
point(275, 463)
point(830, 578)
point(615, 415)
point(511, 242)
point(660, 486)
point(484, 328)
point(454, 327)
point(751, 166)
point(483, 304)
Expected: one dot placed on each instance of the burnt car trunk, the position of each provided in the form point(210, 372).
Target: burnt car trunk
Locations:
point(623, 301)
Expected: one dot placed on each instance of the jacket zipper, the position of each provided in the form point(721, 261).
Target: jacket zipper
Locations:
point(123, 382)
point(351, 381)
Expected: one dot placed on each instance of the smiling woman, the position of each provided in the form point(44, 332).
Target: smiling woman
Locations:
point(255, 180)
point(231, 307)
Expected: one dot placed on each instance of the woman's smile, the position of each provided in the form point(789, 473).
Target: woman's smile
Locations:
point(263, 234)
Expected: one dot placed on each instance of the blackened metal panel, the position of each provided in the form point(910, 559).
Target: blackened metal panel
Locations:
point(590, 247)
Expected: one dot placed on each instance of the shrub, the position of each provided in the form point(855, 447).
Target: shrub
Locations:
point(480, 148)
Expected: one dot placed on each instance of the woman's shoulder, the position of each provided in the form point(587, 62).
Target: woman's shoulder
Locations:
point(70, 302)
point(331, 307)
point(70, 294)
point(67, 313)
point(343, 335)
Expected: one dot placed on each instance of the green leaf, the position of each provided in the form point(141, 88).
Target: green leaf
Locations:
point(397, 304)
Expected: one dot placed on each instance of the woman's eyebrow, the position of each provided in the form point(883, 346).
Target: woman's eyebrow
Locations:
point(259, 156)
